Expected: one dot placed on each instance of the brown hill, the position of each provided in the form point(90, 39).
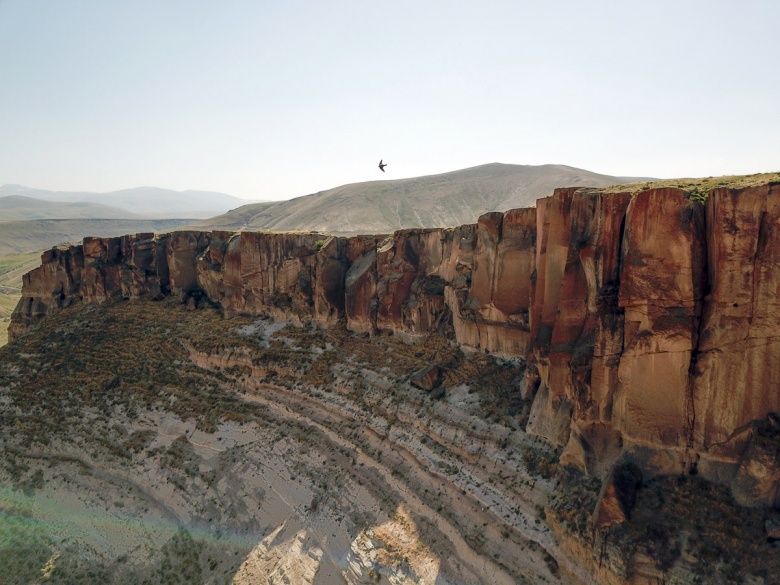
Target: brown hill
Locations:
point(443, 200)
point(19, 207)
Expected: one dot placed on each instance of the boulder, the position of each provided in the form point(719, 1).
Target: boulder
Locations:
point(427, 378)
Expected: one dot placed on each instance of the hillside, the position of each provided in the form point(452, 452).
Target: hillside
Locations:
point(442, 200)
point(149, 202)
point(20, 207)
point(19, 237)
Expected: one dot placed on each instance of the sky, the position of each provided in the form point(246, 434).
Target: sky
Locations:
point(274, 99)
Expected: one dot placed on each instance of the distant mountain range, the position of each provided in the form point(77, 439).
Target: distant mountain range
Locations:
point(19, 203)
point(19, 207)
point(447, 199)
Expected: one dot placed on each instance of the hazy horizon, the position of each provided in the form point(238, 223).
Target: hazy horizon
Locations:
point(267, 100)
point(121, 189)
point(253, 200)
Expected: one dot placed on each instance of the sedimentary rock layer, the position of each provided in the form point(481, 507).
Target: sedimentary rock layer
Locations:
point(651, 321)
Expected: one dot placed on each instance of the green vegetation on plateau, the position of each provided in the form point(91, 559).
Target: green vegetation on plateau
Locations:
point(700, 187)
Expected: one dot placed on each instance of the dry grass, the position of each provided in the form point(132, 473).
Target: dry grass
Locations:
point(699, 185)
point(130, 354)
point(127, 355)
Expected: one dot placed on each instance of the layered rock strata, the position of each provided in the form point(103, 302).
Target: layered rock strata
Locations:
point(652, 322)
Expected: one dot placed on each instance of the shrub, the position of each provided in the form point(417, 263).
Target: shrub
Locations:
point(698, 194)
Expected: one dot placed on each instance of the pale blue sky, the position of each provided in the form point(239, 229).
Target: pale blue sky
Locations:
point(273, 99)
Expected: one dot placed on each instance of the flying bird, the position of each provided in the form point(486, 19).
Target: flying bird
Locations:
point(382, 165)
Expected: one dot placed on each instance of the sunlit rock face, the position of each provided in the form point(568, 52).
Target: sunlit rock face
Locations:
point(740, 321)
point(55, 284)
point(650, 321)
point(668, 365)
point(662, 285)
point(494, 315)
point(576, 319)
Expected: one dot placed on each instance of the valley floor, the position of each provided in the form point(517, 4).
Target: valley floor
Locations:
point(144, 443)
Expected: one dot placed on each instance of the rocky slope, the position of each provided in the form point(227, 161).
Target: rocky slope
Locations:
point(648, 320)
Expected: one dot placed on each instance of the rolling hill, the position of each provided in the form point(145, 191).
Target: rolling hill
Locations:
point(442, 200)
point(20, 207)
point(148, 202)
point(20, 237)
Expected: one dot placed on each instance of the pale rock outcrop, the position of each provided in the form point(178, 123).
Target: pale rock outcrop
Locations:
point(280, 558)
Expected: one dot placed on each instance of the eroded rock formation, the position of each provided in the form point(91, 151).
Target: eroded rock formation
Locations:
point(650, 321)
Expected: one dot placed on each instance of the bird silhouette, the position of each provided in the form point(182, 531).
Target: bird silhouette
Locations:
point(382, 165)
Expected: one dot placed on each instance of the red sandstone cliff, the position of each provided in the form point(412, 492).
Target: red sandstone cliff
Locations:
point(651, 323)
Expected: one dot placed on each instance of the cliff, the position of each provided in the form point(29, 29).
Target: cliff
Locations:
point(650, 321)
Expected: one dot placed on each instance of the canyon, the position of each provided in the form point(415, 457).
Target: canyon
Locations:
point(643, 324)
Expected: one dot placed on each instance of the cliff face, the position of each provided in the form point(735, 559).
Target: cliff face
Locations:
point(654, 332)
point(651, 322)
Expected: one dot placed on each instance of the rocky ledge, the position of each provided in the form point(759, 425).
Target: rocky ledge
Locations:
point(650, 320)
